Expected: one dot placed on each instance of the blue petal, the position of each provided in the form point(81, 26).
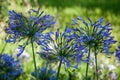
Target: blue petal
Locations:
point(119, 47)
point(11, 39)
point(43, 70)
point(42, 42)
point(79, 58)
point(101, 20)
point(74, 21)
point(57, 34)
point(48, 18)
point(67, 63)
point(68, 30)
point(21, 49)
point(9, 31)
point(33, 18)
point(46, 48)
point(38, 34)
point(106, 34)
point(48, 36)
point(79, 18)
point(76, 66)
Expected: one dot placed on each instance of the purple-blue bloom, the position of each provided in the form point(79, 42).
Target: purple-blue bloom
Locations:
point(28, 27)
point(61, 46)
point(45, 74)
point(94, 35)
point(10, 68)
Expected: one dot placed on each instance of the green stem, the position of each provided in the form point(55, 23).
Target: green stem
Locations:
point(94, 76)
point(59, 69)
point(96, 64)
point(3, 48)
point(44, 77)
point(87, 65)
point(34, 58)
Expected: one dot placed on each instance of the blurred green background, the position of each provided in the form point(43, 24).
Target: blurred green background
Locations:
point(64, 11)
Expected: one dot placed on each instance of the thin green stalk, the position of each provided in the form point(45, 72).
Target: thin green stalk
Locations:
point(96, 64)
point(87, 65)
point(44, 77)
point(4, 46)
point(34, 61)
point(59, 69)
point(94, 76)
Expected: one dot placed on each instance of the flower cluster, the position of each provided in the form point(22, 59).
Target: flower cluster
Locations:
point(68, 47)
point(118, 53)
point(45, 74)
point(29, 28)
point(61, 47)
point(94, 35)
point(10, 69)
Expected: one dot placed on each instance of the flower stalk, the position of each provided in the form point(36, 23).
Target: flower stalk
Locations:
point(58, 72)
point(96, 64)
point(34, 61)
point(3, 47)
point(87, 64)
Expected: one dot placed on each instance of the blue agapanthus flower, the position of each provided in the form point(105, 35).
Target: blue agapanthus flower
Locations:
point(94, 34)
point(45, 74)
point(29, 27)
point(117, 54)
point(10, 68)
point(61, 46)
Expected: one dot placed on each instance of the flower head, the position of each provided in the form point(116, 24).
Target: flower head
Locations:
point(31, 27)
point(94, 34)
point(9, 68)
point(60, 46)
point(45, 74)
